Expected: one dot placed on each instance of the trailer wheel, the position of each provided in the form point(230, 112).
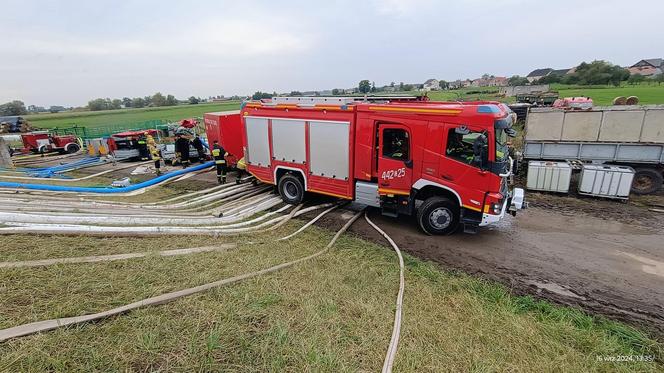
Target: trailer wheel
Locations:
point(438, 216)
point(646, 181)
point(72, 148)
point(291, 189)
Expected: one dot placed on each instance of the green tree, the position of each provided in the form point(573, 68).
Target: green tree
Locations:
point(126, 101)
point(597, 72)
point(12, 108)
point(116, 104)
point(193, 100)
point(401, 85)
point(261, 95)
point(517, 80)
point(550, 79)
point(408, 87)
point(99, 104)
point(170, 101)
point(636, 79)
point(659, 79)
point(337, 92)
point(443, 84)
point(295, 93)
point(138, 102)
point(158, 99)
point(373, 86)
point(364, 86)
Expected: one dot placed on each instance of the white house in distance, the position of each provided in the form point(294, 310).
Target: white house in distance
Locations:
point(431, 85)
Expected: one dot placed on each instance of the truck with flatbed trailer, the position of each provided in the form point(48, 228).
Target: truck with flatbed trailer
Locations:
point(446, 163)
point(630, 136)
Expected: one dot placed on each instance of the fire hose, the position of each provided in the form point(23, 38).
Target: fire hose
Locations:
point(46, 325)
point(396, 330)
point(130, 188)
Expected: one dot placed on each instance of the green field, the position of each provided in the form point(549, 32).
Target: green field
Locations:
point(601, 95)
point(648, 94)
point(126, 116)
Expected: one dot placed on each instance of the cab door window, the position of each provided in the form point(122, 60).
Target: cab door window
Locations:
point(396, 144)
point(463, 147)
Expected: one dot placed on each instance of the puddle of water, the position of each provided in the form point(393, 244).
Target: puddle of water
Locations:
point(648, 265)
point(555, 288)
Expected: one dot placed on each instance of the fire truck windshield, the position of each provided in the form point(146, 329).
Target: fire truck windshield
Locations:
point(501, 145)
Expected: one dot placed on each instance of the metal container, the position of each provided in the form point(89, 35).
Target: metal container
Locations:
point(549, 176)
point(606, 181)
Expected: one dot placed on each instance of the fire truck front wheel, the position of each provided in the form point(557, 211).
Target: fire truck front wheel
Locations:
point(438, 216)
point(291, 189)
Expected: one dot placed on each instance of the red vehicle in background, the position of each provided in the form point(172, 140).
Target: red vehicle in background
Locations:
point(226, 128)
point(446, 163)
point(44, 142)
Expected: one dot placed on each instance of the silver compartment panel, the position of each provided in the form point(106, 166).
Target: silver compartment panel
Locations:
point(328, 149)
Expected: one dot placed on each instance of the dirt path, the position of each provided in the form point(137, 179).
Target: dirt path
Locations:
point(603, 266)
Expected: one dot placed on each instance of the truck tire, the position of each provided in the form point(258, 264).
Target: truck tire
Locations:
point(646, 181)
point(291, 189)
point(72, 148)
point(438, 216)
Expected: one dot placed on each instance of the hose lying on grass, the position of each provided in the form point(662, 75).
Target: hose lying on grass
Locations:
point(396, 330)
point(62, 188)
point(113, 257)
point(132, 231)
point(28, 202)
point(40, 326)
point(115, 168)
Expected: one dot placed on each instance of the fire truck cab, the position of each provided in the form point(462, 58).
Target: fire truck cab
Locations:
point(446, 163)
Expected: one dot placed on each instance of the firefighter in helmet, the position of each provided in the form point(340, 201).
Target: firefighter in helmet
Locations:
point(182, 149)
point(197, 143)
point(154, 153)
point(143, 146)
point(241, 167)
point(219, 155)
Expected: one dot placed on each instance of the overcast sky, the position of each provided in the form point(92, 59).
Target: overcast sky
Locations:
point(67, 52)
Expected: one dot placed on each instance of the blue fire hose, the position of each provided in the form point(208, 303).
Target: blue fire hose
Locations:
point(106, 190)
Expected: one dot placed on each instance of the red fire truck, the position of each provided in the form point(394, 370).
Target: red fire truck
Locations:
point(447, 163)
point(44, 142)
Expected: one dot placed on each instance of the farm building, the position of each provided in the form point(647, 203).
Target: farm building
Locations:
point(538, 74)
point(648, 67)
point(431, 85)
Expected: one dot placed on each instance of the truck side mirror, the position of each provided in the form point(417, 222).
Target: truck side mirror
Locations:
point(408, 163)
point(480, 151)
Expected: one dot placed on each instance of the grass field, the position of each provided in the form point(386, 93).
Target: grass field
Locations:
point(332, 314)
point(648, 94)
point(127, 116)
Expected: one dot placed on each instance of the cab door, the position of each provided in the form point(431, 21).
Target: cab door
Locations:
point(395, 164)
point(459, 167)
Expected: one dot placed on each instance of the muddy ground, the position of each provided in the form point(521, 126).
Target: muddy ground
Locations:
point(605, 257)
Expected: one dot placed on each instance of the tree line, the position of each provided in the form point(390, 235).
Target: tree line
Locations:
point(158, 99)
point(599, 73)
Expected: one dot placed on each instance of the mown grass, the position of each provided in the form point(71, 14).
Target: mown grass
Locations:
point(126, 116)
point(334, 313)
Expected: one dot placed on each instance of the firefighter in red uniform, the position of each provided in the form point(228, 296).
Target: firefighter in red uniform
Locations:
point(219, 154)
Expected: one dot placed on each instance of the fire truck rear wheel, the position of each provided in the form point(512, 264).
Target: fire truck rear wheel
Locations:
point(438, 216)
point(72, 148)
point(291, 189)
